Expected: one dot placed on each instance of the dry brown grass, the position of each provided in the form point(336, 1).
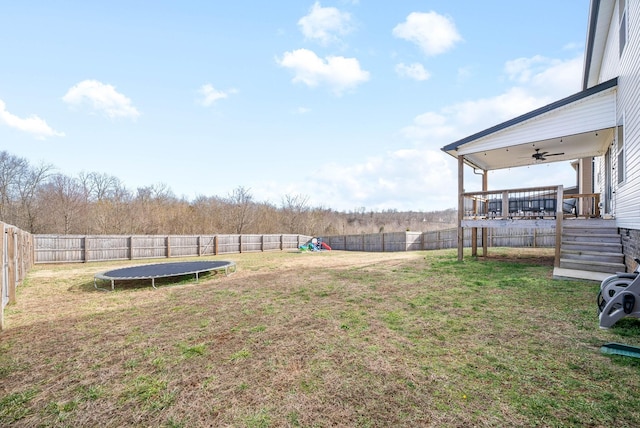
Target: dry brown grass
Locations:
point(322, 339)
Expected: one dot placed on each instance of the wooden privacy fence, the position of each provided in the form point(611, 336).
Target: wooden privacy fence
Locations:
point(85, 248)
point(441, 239)
point(16, 255)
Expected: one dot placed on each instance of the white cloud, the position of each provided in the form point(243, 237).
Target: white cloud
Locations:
point(433, 33)
point(402, 179)
point(538, 85)
point(33, 124)
point(211, 95)
point(422, 176)
point(101, 98)
point(325, 24)
point(430, 126)
point(540, 82)
point(414, 71)
point(521, 70)
point(337, 72)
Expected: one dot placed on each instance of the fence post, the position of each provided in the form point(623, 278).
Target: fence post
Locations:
point(85, 245)
point(3, 283)
point(11, 265)
point(131, 247)
point(281, 242)
point(168, 246)
point(215, 245)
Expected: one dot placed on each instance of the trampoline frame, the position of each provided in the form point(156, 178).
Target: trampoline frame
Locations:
point(228, 267)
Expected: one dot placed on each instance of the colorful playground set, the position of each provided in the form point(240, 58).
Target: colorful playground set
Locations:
point(315, 244)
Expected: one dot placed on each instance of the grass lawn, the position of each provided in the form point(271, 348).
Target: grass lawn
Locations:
point(315, 340)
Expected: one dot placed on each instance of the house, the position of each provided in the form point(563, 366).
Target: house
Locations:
point(598, 129)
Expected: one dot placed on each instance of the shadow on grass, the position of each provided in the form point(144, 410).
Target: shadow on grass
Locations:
point(627, 327)
point(134, 285)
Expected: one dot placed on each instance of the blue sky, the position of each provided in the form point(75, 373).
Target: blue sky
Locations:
point(345, 102)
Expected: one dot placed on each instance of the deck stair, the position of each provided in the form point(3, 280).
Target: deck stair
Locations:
point(590, 249)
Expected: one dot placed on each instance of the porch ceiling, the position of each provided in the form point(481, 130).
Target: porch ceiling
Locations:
point(578, 126)
point(587, 144)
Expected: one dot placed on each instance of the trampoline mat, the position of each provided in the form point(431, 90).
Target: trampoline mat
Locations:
point(162, 270)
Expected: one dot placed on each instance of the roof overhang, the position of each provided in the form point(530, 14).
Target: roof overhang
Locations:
point(581, 125)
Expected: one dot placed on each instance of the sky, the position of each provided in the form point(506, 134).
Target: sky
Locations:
point(346, 102)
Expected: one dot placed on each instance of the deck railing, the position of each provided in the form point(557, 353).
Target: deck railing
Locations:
point(529, 203)
point(582, 204)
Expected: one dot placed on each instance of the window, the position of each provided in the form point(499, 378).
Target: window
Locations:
point(622, 21)
point(621, 165)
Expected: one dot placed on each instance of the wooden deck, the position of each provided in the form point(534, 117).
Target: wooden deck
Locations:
point(586, 246)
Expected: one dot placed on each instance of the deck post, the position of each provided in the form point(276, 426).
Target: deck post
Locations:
point(485, 187)
point(460, 206)
point(474, 241)
point(559, 218)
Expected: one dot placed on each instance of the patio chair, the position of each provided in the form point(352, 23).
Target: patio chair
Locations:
point(518, 207)
point(550, 207)
point(569, 207)
point(494, 208)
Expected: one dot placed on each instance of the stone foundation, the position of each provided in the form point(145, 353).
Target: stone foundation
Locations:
point(630, 247)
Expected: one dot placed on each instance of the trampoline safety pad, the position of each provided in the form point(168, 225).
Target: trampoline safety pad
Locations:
point(162, 270)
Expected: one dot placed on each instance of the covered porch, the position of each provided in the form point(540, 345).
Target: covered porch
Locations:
point(577, 128)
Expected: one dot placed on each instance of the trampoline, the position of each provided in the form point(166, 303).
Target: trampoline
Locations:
point(162, 270)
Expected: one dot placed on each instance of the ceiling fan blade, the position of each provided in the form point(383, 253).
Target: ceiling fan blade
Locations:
point(554, 154)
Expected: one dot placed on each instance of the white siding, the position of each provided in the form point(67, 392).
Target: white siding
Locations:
point(609, 68)
point(590, 114)
point(626, 203)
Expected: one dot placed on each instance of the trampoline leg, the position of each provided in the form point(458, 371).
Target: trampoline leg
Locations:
point(227, 269)
point(95, 285)
point(153, 283)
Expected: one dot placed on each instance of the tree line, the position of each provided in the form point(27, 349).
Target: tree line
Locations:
point(40, 200)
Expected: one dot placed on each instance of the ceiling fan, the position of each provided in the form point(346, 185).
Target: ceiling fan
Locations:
point(543, 156)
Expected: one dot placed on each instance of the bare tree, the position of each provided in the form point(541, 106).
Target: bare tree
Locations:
point(152, 209)
point(29, 182)
point(295, 209)
point(64, 201)
point(11, 168)
point(240, 210)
